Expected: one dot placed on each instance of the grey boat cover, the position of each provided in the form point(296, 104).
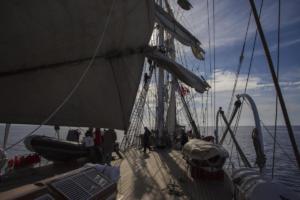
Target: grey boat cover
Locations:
point(183, 74)
point(178, 31)
point(45, 46)
point(202, 150)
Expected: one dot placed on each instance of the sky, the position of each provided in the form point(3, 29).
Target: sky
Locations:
point(231, 19)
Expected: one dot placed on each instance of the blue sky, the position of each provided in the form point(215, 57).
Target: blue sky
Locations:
point(230, 26)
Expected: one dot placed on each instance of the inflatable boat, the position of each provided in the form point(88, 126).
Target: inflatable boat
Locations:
point(54, 149)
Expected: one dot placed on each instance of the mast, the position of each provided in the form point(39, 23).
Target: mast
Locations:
point(275, 81)
point(165, 56)
point(160, 89)
point(171, 113)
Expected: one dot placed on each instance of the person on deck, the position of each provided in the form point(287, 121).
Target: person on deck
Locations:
point(116, 144)
point(57, 128)
point(146, 138)
point(117, 150)
point(98, 142)
point(146, 78)
point(109, 139)
point(184, 138)
point(88, 142)
point(97, 137)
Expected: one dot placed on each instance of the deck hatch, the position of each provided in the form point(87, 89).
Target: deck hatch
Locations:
point(83, 185)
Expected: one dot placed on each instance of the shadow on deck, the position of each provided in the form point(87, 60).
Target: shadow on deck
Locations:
point(163, 175)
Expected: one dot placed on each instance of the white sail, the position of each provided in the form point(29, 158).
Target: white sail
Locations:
point(178, 31)
point(45, 47)
point(183, 74)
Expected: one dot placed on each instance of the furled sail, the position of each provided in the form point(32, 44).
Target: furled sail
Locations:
point(178, 31)
point(45, 46)
point(183, 74)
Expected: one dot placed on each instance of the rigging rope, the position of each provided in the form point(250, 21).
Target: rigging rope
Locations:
point(239, 65)
point(70, 94)
point(278, 144)
point(206, 110)
point(214, 59)
point(248, 74)
point(137, 114)
point(277, 74)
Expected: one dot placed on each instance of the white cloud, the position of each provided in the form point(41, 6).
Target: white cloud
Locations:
point(225, 82)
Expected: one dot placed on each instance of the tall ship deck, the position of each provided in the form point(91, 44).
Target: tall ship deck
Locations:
point(130, 79)
point(161, 174)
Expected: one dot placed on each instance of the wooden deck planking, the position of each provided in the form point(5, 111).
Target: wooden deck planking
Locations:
point(144, 176)
point(147, 176)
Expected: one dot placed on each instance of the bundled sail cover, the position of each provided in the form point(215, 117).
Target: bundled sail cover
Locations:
point(45, 46)
point(201, 150)
point(183, 74)
point(178, 31)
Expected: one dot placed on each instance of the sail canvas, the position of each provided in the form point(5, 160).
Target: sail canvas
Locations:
point(45, 48)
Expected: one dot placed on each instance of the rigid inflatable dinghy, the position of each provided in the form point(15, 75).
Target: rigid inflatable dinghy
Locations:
point(54, 149)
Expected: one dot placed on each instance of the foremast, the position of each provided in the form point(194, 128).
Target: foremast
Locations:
point(169, 125)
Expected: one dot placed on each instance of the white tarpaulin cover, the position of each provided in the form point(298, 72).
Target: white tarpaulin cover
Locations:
point(183, 74)
point(201, 150)
point(178, 31)
point(46, 45)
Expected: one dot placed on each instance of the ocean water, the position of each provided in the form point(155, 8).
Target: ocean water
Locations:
point(285, 169)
